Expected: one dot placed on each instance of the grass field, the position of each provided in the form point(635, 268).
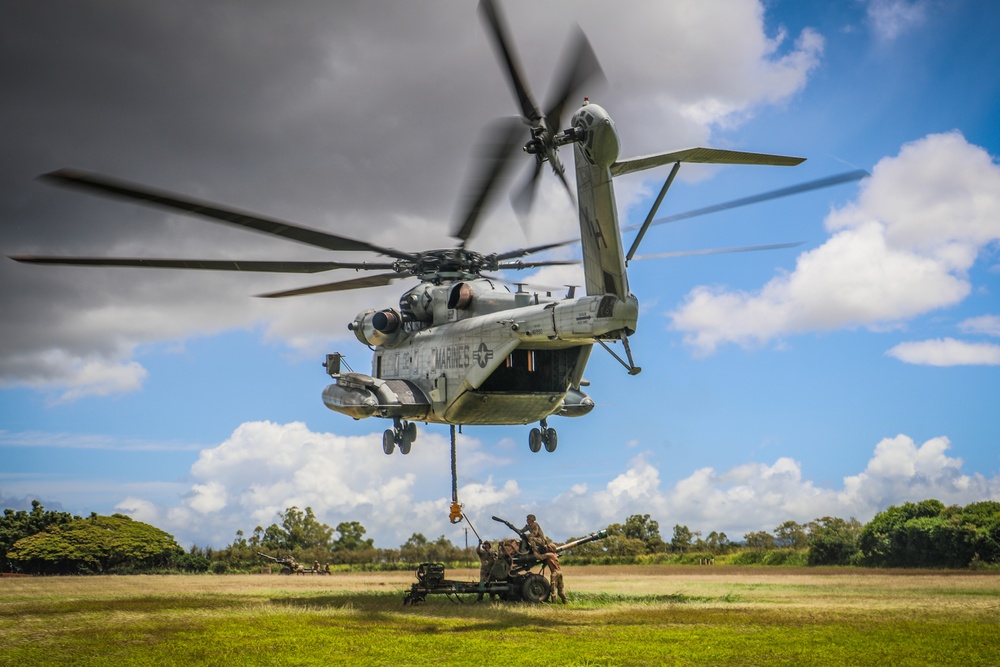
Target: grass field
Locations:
point(650, 615)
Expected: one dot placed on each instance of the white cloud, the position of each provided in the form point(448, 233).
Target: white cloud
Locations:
point(73, 377)
point(264, 468)
point(756, 496)
point(891, 18)
point(984, 324)
point(901, 250)
point(947, 352)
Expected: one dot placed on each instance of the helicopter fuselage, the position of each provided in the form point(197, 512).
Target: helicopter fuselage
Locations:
point(494, 358)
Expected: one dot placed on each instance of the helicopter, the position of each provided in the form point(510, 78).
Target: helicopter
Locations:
point(461, 348)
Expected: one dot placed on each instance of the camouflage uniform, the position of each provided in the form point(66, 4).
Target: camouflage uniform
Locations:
point(487, 559)
point(534, 535)
point(551, 559)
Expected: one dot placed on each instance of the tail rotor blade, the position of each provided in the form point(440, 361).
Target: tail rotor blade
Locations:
point(580, 66)
point(524, 197)
point(502, 42)
point(829, 181)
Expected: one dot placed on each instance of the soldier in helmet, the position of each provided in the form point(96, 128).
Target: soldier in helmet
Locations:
point(534, 536)
point(551, 559)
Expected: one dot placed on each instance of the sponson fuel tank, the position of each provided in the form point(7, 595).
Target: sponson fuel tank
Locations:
point(351, 396)
point(359, 396)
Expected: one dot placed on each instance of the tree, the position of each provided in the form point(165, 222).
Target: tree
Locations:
point(717, 542)
point(351, 537)
point(884, 539)
point(641, 527)
point(833, 541)
point(303, 531)
point(682, 539)
point(298, 530)
point(414, 550)
point(97, 544)
point(928, 534)
point(16, 525)
point(791, 535)
point(760, 540)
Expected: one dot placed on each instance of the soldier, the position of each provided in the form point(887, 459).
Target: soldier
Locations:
point(487, 558)
point(551, 559)
point(534, 536)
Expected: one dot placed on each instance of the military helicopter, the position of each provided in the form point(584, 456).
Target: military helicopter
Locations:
point(462, 349)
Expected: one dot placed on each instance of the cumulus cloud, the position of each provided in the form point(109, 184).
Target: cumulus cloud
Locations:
point(902, 249)
point(264, 468)
point(760, 496)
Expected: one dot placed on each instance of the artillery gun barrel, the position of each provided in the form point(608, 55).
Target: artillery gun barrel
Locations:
point(593, 537)
point(508, 524)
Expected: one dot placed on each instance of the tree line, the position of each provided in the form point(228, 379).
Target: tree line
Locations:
point(924, 534)
point(921, 535)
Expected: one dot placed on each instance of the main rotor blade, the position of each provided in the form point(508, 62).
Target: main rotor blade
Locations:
point(829, 181)
point(502, 42)
point(203, 264)
point(534, 265)
point(523, 252)
point(504, 137)
point(579, 67)
point(719, 251)
point(108, 186)
point(377, 280)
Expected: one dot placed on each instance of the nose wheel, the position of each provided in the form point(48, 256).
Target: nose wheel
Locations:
point(402, 435)
point(543, 437)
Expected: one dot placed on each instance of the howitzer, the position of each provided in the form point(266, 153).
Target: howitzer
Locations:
point(511, 578)
point(526, 558)
point(287, 566)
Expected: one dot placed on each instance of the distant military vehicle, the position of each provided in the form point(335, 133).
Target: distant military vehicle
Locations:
point(292, 566)
point(511, 579)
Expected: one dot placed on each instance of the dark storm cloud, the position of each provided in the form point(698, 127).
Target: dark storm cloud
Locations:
point(356, 117)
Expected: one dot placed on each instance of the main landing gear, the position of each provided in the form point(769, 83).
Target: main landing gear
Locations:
point(402, 434)
point(544, 436)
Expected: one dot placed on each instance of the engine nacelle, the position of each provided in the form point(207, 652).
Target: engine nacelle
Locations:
point(377, 327)
point(418, 303)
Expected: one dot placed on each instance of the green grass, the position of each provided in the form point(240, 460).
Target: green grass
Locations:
point(672, 619)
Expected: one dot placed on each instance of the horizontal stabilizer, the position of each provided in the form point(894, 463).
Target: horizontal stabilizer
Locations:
point(703, 156)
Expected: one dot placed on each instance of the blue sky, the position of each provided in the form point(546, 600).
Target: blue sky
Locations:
point(836, 378)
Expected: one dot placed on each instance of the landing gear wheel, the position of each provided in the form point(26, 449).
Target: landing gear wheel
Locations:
point(550, 439)
point(411, 431)
point(388, 441)
point(535, 440)
point(535, 589)
point(405, 440)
